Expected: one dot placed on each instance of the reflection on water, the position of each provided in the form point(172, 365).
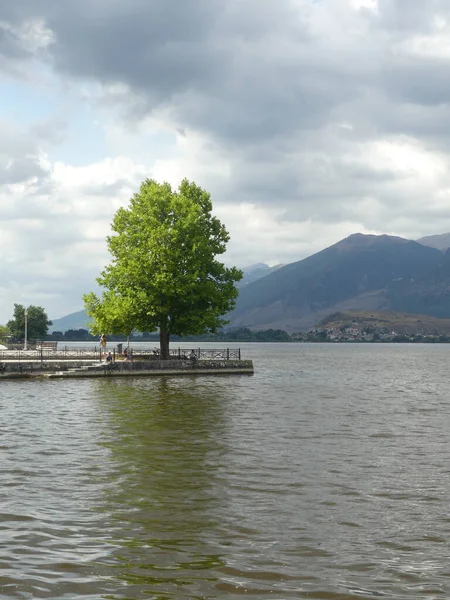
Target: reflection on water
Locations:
point(323, 476)
point(166, 439)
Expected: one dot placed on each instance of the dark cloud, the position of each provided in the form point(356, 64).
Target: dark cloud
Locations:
point(418, 80)
point(19, 170)
point(157, 46)
point(10, 47)
point(20, 157)
point(405, 16)
point(212, 61)
point(240, 71)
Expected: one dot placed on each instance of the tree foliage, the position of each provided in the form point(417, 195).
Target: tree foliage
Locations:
point(4, 332)
point(37, 323)
point(115, 313)
point(164, 273)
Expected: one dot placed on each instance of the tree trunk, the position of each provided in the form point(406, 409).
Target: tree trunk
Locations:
point(164, 344)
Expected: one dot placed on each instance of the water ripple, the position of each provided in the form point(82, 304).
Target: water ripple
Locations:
point(323, 476)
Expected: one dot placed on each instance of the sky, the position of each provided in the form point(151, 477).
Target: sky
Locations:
point(306, 120)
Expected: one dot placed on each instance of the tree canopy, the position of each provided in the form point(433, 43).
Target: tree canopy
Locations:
point(164, 273)
point(4, 332)
point(37, 323)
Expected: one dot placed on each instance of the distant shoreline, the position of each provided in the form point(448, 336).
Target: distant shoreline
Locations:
point(398, 340)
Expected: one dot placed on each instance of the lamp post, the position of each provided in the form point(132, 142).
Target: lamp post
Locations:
point(26, 329)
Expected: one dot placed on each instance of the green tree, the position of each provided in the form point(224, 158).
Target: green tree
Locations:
point(164, 273)
point(37, 323)
point(4, 332)
point(77, 334)
point(114, 313)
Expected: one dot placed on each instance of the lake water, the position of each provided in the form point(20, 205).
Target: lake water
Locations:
point(326, 475)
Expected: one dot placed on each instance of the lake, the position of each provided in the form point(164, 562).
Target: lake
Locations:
point(326, 475)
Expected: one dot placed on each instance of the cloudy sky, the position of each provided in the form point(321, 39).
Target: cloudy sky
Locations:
point(307, 120)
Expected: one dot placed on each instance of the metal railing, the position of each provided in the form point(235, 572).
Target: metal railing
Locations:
point(187, 353)
point(44, 354)
point(95, 354)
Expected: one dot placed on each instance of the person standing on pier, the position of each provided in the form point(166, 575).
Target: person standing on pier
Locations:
point(102, 345)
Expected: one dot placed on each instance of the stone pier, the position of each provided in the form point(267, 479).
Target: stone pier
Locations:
point(60, 369)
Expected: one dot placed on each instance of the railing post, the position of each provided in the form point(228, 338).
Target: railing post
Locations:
point(228, 354)
point(239, 353)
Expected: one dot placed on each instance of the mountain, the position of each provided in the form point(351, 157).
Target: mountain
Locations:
point(356, 273)
point(254, 272)
point(76, 320)
point(428, 293)
point(440, 242)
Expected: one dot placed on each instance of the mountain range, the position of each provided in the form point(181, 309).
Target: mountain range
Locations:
point(365, 272)
point(441, 241)
point(361, 272)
